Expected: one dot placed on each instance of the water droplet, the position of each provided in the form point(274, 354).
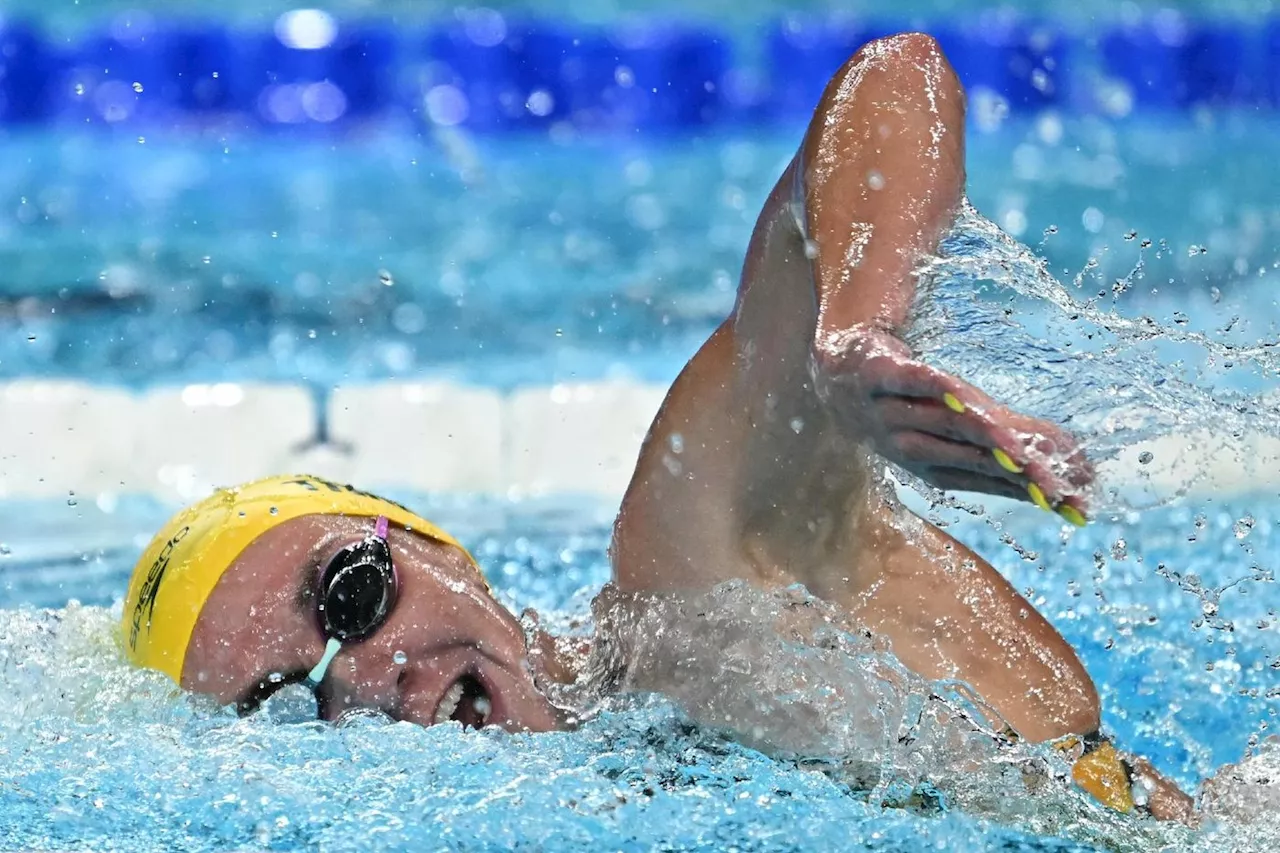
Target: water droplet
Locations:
point(79, 88)
point(1244, 526)
point(5, 550)
point(1093, 220)
point(137, 87)
point(1194, 250)
point(559, 333)
point(810, 249)
point(672, 464)
point(311, 333)
point(31, 339)
point(1120, 550)
point(275, 510)
point(875, 180)
point(1129, 235)
point(677, 442)
point(400, 658)
point(1051, 230)
point(1145, 457)
point(797, 425)
point(386, 278)
point(71, 499)
point(275, 677)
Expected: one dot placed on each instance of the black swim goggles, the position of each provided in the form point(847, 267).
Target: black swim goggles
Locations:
point(354, 595)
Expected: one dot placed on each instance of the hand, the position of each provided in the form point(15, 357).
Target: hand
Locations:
point(945, 430)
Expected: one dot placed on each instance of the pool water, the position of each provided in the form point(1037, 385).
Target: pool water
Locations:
point(509, 261)
point(100, 757)
point(140, 260)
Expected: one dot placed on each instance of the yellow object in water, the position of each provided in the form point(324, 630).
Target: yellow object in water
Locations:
point(1103, 774)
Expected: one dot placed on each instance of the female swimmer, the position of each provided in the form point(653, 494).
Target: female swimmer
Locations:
point(784, 418)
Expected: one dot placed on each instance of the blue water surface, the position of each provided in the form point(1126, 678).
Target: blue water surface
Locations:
point(100, 757)
point(142, 260)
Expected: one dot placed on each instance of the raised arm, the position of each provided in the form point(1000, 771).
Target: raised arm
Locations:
point(762, 462)
point(764, 438)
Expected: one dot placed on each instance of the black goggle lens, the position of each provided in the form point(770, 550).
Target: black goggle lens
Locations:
point(357, 591)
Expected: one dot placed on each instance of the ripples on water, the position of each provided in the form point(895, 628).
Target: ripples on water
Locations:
point(1172, 610)
point(99, 755)
point(992, 313)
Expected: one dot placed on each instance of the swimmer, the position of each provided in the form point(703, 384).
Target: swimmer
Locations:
point(783, 419)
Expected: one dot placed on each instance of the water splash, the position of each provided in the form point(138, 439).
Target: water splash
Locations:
point(788, 674)
point(989, 310)
point(113, 757)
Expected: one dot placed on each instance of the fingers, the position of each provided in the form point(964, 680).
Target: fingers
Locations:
point(932, 420)
point(895, 377)
point(1046, 458)
point(956, 480)
point(978, 454)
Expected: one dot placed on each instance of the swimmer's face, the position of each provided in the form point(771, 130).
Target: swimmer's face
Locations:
point(445, 644)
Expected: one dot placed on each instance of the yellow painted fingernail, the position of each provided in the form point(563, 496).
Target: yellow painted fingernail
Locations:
point(952, 403)
point(1037, 497)
point(1006, 462)
point(1072, 515)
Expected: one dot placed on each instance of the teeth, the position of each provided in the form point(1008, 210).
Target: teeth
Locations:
point(483, 707)
point(449, 703)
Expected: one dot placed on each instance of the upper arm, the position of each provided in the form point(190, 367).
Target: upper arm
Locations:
point(759, 457)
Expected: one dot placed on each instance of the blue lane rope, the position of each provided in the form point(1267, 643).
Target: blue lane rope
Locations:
point(490, 73)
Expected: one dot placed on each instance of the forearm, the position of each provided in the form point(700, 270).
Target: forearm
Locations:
point(880, 175)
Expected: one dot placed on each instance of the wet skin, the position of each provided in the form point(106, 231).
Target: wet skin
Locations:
point(261, 619)
point(785, 414)
point(784, 418)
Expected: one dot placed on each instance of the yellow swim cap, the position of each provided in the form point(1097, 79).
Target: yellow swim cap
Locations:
point(180, 568)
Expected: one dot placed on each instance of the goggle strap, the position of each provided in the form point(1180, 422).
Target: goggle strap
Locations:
point(316, 675)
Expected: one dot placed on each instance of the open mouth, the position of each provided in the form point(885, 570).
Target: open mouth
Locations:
point(466, 702)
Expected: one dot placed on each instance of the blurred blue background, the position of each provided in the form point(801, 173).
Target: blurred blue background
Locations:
point(533, 192)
